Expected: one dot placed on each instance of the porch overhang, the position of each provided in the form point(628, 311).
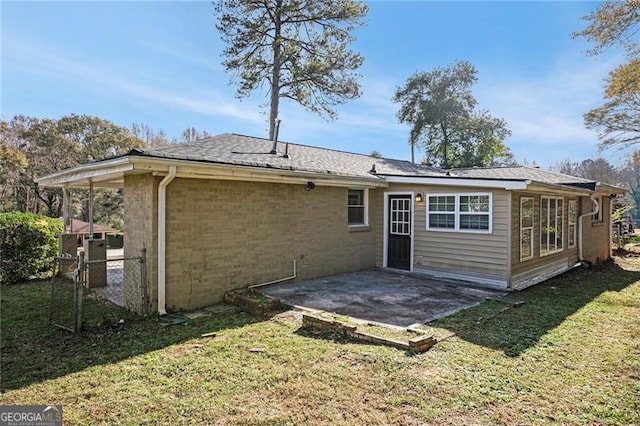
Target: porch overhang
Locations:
point(605, 188)
point(107, 174)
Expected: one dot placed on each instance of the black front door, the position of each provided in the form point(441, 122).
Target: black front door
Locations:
point(399, 232)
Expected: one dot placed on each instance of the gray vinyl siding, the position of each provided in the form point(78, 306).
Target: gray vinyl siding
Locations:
point(539, 267)
point(456, 252)
point(464, 251)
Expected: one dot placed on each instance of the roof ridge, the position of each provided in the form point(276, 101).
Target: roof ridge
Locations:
point(485, 167)
point(332, 150)
point(309, 146)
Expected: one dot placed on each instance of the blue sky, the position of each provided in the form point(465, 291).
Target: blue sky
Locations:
point(158, 63)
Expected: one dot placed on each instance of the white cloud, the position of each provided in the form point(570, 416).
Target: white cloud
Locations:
point(183, 55)
point(548, 109)
point(363, 124)
point(47, 60)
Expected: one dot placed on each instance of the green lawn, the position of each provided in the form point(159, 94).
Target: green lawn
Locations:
point(569, 355)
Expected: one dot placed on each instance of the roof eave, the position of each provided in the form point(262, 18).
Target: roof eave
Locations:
point(510, 184)
point(610, 189)
point(221, 171)
point(558, 188)
point(104, 173)
point(110, 173)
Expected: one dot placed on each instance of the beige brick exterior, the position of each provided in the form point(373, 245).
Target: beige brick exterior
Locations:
point(223, 235)
point(140, 229)
point(596, 245)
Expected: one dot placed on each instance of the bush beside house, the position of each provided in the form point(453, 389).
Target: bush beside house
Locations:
point(28, 243)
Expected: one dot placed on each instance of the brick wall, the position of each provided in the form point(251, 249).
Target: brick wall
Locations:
point(140, 230)
point(596, 244)
point(223, 235)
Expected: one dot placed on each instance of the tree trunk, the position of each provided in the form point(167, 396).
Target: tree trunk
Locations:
point(445, 142)
point(275, 75)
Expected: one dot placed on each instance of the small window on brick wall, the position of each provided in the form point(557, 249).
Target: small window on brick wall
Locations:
point(357, 207)
point(598, 216)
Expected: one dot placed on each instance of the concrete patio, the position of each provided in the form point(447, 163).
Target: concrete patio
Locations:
point(389, 298)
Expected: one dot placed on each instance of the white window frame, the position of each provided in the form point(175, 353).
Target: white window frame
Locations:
point(400, 225)
point(365, 200)
point(527, 228)
point(385, 234)
point(457, 213)
point(597, 218)
point(556, 250)
point(571, 223)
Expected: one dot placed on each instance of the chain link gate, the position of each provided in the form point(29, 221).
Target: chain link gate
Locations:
point(66, 294)
point(95, 293)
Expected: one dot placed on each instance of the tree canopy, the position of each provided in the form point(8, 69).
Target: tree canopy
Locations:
point(616, 23)
point(299, 49)
point(441, 110)
point(626, 175)
point(598, 169)
point(31, 147)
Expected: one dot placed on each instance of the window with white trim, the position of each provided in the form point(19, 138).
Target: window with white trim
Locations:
point(357, 207)
point(551, 225)
point(572, 212)
point(401, 216)
point(526, 228)
point(598, 216)
point(470, 212)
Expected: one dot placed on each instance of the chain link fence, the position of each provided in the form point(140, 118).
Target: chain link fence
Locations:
point(65, 294)
point(95, 293)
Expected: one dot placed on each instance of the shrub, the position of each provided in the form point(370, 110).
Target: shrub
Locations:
point(28, 243)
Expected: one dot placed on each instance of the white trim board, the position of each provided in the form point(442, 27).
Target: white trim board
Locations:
point(385, 226)
point(456, 181)
point(541, 273)
point(469, 278)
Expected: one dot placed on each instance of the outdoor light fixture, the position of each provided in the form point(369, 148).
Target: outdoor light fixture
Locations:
point(310, 186)
point(419, 197)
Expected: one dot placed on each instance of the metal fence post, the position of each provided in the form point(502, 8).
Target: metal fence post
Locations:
point(143, 282)
point(78, 294)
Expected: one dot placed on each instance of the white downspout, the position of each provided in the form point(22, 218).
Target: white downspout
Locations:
point(582, 216)
point(162, 238)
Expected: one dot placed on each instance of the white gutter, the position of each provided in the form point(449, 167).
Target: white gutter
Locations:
point(79, 175)
point(582, 216)
point(457, 181)
point(162, 238)
point(248, 173)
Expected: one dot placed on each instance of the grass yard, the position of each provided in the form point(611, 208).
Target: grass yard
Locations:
point(569, 355)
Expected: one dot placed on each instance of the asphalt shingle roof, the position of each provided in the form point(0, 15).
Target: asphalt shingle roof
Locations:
point(233, 149)
point(522, 172)
point(240, 150)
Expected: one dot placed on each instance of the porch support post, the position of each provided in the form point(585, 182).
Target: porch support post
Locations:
point(67, 244)
point(66, 209)
point(95, 250)
point(90, 209)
